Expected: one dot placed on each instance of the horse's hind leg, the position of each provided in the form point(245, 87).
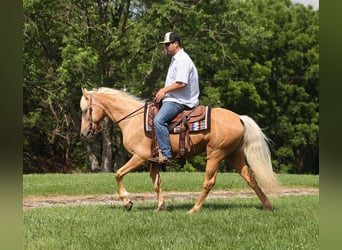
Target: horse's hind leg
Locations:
point(132, 164)
point(156, 180)
point(209, 182)
point(240, 165)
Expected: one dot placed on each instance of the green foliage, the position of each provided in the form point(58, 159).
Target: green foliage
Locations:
point(77, 64)
point(257, 57)
point(211, 96)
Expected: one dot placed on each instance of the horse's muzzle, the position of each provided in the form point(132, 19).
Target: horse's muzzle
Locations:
point(88, 134)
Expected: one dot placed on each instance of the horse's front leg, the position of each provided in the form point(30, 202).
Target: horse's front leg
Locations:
point(156, 180)
point(132, 164)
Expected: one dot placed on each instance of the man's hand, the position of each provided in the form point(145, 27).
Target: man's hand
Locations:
point(162, 92)
point(160, 95)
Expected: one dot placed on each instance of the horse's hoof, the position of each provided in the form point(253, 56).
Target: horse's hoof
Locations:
point(192, 211)
point(268, 206)
point(162, 207)
point(129, 206)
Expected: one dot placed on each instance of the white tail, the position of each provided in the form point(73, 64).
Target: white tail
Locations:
point(258, 155)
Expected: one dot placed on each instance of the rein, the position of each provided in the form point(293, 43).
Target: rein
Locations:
point(107, 127)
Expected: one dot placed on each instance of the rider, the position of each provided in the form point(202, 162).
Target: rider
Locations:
point(181, 91)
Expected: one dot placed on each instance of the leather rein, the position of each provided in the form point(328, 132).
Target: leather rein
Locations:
point(92, 131)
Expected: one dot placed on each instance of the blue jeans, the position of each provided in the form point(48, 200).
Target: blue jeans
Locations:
point(167, 112)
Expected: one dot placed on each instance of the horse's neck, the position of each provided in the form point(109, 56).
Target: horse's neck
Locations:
point(117, 108)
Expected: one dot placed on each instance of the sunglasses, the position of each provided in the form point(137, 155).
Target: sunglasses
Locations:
point(167, 44)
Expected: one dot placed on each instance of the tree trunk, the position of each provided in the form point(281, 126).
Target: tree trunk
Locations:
point(121, 158)
point(107, 155)
point(94, 164)
point(120, 153)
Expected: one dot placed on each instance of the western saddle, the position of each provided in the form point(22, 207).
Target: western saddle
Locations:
point(182, 120)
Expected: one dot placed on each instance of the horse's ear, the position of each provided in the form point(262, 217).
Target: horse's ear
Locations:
point(84, 92)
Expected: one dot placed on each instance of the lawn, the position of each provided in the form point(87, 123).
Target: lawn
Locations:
point(104, 183)
point(237, 223)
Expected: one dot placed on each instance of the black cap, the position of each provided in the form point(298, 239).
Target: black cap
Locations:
point(171, 37)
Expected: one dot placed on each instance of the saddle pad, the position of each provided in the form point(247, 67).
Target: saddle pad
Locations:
point(203, 124)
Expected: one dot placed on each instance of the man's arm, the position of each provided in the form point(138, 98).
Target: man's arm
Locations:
point(162, 92)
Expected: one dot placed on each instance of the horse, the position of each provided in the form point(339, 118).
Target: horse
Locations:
point(232, 137)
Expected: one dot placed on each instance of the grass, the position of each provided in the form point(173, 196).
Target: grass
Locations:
point(222, 224)
point(78, 184)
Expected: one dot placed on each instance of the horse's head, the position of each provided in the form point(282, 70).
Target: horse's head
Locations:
point(92, 113)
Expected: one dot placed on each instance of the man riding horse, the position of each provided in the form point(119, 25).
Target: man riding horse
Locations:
point(181, 91)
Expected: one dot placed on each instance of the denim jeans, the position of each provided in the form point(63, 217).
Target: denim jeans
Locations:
point(167, 112)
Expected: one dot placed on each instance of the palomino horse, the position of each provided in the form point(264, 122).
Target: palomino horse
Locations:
point(233, 137)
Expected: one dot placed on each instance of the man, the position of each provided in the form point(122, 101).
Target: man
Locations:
point(181, 91)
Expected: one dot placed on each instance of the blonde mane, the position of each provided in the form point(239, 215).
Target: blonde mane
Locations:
point(110, 91)
point(119, 93)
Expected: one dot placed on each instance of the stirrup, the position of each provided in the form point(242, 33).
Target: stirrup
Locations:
point(163, 160)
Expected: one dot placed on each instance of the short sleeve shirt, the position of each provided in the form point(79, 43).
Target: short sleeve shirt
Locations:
point(182, 69)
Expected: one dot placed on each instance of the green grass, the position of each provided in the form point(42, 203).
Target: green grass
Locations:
point(78, 184)
point(237, 223)
point(222, 224)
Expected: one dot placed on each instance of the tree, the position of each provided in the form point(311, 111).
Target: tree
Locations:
point(256, 57)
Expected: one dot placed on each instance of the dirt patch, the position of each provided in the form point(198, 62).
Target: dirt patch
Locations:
point(32, 202)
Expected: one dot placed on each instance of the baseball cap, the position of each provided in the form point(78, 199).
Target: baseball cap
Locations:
point(171, 37)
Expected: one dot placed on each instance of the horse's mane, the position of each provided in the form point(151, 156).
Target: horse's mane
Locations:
point(112, 91)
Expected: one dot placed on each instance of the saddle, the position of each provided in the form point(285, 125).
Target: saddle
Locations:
point(190, 120)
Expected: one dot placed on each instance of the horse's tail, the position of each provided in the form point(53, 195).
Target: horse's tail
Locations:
point(258, 155)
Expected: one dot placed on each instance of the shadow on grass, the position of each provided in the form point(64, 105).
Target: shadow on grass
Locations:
point(176, 206)
point(213, 206)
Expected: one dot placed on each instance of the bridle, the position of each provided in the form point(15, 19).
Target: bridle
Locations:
point(92, 131)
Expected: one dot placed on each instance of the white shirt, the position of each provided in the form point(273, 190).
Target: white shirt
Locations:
point(182, 69)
